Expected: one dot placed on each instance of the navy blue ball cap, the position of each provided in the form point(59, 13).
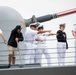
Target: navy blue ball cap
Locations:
point(18, 27)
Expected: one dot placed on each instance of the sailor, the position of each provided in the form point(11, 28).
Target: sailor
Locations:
point(74, 34)
point(29, 42)
point(62, 44)
point(41, 46)
point(3, 37)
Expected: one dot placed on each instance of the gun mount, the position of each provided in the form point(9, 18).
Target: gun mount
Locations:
point(48, 17)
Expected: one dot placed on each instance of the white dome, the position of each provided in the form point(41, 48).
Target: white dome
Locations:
point(9, 18)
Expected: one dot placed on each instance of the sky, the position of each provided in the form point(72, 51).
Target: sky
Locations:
point(28, 8)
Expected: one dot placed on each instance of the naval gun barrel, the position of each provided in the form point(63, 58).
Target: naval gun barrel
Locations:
point(49, 17)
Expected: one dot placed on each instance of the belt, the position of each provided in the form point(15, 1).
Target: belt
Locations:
point(41, 43)
point(29, 42)
point(61, 42)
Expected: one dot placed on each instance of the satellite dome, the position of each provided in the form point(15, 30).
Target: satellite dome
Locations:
point(9, 18)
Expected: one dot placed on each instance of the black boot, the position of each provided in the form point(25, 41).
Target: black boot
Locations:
point(9, 65)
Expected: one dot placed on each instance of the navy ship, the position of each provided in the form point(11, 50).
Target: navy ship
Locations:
point(9, 18)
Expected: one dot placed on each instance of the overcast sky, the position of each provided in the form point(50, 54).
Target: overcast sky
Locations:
point(27, 8)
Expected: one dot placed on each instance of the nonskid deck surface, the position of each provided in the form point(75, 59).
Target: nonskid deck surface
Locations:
point(29, 66)
point(35, 69)
point(18, 66)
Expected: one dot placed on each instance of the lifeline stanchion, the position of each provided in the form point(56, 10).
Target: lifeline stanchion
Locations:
point(19, 55)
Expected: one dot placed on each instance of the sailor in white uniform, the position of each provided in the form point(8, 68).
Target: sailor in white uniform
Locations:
point(3, 37)
point(62, 44)
point(29, 42)
point(41, 46)
point(74, 34)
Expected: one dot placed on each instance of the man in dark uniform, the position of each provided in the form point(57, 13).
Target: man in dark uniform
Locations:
point(15, 37)
point(61, 44)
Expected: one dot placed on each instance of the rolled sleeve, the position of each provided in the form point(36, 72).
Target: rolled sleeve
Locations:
point(74, 28)
point(34, 32)
point(0, 31)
